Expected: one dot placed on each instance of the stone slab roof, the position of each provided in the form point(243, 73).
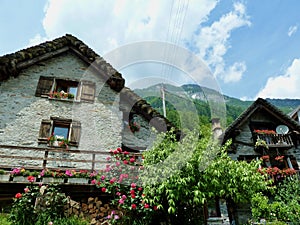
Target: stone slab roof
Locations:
point(258, 104)
point(12, 64)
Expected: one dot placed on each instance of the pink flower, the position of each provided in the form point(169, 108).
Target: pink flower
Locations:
point(115, 152)
point(103, 189)
point(132, 192)
point(116, 217)
point(26, 190)
point(121, 201)
point(94, 181)
point(126, 153)
point(133, 185)
point(69, 173)
point(119, 149)
point(146, 206)
point(140, 188)
point(118, 163)
point(125, 161)
point(102, 177)
point(124, 197)
point(118, 193)
point(132, 160)
point(112, 181)
point(133, 206)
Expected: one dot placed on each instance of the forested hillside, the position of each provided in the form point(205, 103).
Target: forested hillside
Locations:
point(190, 99)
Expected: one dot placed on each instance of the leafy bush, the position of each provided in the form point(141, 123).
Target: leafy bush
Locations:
point(37, 205)
point(283, 205)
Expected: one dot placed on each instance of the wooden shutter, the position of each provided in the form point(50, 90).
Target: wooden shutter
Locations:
point(44, 131)
point(44, 86)
point(88, 91)
point(75, 133)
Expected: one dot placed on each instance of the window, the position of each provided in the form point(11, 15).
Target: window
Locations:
point(61, 128)
point(57, 88)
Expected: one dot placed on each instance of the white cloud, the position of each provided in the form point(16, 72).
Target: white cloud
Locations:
point(283, 86)
point(213, 43)
point(235, 72)
point(106, 25)
point(292, 30)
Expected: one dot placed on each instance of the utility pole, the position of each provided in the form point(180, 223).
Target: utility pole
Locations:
point(163, 100)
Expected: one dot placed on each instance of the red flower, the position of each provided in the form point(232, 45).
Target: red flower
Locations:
point(31, 178)
point(146, 206)
point(133, 206)
point(155, 208)
point(18, 195)
point(132, 160)
point(103, 189)
point(133, 185)
point(140, 188)
point(125, 162)
point(132, 195)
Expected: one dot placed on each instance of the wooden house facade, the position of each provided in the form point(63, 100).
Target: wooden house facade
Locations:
point(263, 132)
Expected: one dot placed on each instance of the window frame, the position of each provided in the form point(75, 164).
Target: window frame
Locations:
point(48, 85)
point(47, 127)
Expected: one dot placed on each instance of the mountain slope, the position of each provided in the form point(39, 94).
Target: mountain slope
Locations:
point(178, 97)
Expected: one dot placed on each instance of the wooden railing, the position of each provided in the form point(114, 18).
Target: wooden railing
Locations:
point(276, 140)
point(86, 157)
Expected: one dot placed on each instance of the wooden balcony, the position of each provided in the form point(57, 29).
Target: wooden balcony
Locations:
point(22, 156)
point(280, 141)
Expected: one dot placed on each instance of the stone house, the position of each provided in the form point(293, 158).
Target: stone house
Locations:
point(263, 123)
point(62, 87)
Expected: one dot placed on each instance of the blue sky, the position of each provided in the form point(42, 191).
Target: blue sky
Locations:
point(252, 48)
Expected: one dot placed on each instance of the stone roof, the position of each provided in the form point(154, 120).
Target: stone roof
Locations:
point(258, 104)
point(12, 64)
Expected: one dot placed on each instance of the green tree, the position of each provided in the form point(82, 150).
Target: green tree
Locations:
point(181, 176)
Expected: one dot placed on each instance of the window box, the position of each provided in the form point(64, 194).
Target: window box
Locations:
point(65, 89)
point(78, 180)
point(48, 180)
point(4, 177)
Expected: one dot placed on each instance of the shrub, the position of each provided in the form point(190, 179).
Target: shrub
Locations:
point(37, 205)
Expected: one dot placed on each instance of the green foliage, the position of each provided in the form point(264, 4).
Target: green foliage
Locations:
point(184, 175)
point(37, 205)
point(283, 205)
point(4, 219)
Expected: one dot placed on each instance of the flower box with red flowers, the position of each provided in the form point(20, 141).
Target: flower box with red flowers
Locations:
point(279, 158)
point(265, 158)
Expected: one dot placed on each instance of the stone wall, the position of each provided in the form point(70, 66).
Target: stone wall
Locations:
point(21, 112)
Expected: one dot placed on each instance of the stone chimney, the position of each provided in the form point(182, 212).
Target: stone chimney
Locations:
point(216, 128)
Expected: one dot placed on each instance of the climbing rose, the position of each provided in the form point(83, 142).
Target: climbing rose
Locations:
point(132, 160)
point(133, 206)
point(18, 195)
point(103, 189)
